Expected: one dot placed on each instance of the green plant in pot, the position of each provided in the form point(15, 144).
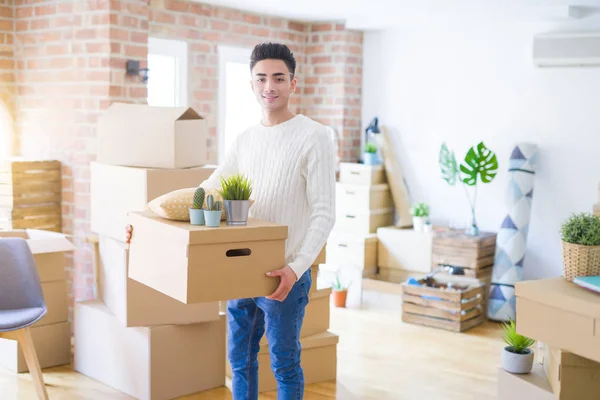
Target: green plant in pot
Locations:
point(517, 356)
point(212, 212)
point(480, 166)
point(339, 293)
point(580, 234)
point(196, 211)
point(370, 154)
point(420, 215)
point(235, 191)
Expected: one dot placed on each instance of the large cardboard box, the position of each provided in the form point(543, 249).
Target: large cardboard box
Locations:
point(160, 362)
point(139, 135)
point(52, 344)
point(196, 264)
point(350, 249)
point(56, 298)
point(532, 386)
point(48, 250)
point(404, 248)
point(571, 376)
point(135, 304)
point(560, 314)
point(117, 190)
point(363, 222)
point(318, 360)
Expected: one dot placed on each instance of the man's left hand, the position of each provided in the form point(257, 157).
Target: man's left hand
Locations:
point(288, 279)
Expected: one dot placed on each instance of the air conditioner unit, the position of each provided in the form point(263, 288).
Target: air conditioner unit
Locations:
point(567, 50)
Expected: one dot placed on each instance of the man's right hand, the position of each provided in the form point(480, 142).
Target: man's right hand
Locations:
point(128, 233)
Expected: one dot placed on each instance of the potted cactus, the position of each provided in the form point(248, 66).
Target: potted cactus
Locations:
point(235, 191)
point(196, 211)
point(212, 212)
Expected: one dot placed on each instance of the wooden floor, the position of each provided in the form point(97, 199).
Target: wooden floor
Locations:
point(379, 357)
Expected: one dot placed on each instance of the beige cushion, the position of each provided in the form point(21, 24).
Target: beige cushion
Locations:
point(176, 204)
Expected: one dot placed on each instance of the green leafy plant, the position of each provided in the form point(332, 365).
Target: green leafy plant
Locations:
point(419, 210)
point(370, 148)
point(198, 198)
point(480, 166)
point(581, 228)
point(235, 187)
point(212, 205)
point(518, 344)
point(337, 285)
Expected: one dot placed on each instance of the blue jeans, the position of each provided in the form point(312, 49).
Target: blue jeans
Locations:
point(247, 320)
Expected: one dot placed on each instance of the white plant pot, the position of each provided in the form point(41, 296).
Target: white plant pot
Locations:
point(517, 363)
point(419, 223)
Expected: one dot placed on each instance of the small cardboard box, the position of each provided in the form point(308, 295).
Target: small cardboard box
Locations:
point(532, 386)
point(361, 174)
point(348, 249)
point(316, 315)
point(52, 344)
point(135, 304)
point(571, 376)
point(355, 197)
point(196, 264)
point(560, 314)
point(363, 222)
point(48, 250)
point(160, 362)
point(139, 135)
point(318, 360)
point(117, 190)
point(56, 298)
point(404, 248)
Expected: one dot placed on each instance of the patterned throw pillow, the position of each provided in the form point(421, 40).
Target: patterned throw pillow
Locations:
point(175, 205)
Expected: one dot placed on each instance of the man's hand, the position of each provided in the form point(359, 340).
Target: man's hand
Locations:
point(288, 279)
point(128, 232)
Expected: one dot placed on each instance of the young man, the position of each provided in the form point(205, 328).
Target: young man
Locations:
point(291, 161)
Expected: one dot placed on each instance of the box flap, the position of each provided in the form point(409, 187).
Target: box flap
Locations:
point(41, 241)
point(255, 230)
point(132, 112)
point(561, 294)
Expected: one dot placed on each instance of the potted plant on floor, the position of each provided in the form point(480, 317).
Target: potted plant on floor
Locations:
point(420, 215)
point(339, 293)
point(235, 191)
point(517, 356)
point(212, 212)
point(581, 245)
point(196, 211)
point(370, 154)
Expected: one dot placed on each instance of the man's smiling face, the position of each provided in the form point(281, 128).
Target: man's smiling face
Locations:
point(272, 84)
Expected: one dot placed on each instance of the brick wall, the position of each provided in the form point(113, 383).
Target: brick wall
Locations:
point(7, 77)
point(70, 67)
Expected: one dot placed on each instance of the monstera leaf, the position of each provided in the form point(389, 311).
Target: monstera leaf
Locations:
point(448, 165)
point(479, 161)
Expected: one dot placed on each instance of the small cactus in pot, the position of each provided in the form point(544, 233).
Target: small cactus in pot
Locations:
point(212, 212)
point(196, 212)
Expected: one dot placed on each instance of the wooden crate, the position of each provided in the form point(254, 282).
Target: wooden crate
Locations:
point(30, 195)
point(456, 309)
point(458, 249)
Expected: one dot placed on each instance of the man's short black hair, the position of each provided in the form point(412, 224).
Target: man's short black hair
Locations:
point(274, 51)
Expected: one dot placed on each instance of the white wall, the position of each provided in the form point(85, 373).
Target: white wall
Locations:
point(464, 83)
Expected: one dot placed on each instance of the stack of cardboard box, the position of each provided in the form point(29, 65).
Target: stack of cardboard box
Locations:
point(52, 334)
point(363, 204)
point(565, 318)
point(133, 337)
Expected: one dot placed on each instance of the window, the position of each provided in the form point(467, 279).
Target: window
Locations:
point(167, 78)
point(238, 108)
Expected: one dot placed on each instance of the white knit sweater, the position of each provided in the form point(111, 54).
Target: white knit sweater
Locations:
point(292, 167)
